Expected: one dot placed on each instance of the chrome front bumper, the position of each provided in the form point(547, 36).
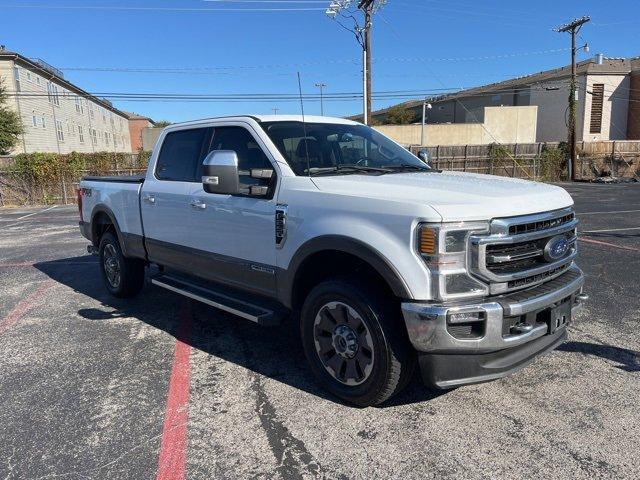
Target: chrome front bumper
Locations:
point(429, 331)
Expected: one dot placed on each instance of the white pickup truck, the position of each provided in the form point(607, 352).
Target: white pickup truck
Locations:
point(382, 261)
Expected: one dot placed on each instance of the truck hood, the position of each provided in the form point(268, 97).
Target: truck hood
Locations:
point(456, 196)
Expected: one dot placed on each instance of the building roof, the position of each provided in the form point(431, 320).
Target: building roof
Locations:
point(136, 116)
point(609, 66)
point(49, 72)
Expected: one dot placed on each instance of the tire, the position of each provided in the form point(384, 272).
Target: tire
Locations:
point(123, 276)
point(353, 342)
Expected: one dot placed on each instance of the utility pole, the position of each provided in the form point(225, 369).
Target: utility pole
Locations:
point(573, 28)
point(321, 86)
point(275, 110)
point(367, 7)
point(343, 9)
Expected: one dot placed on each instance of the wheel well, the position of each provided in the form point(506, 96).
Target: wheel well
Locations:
point(100, 224)
point(332, 263)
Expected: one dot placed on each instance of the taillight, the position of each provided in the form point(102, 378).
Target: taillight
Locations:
point(79, 201)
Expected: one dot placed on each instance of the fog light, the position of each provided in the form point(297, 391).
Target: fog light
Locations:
point(465, 317)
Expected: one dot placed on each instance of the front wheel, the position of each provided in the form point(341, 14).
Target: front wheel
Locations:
point(123, 276)
point(353, 343)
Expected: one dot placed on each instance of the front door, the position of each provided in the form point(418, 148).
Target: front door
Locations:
point(235, 234)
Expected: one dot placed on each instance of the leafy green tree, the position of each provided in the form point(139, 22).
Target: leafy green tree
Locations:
point(162, 123)
point(10, 124)
point(400, 115)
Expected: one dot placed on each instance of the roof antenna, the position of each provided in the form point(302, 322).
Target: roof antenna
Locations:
point(304, 126)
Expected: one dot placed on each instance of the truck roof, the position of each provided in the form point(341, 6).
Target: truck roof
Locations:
point(276, 118)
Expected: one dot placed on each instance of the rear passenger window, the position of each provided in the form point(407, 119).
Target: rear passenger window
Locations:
point(181, 153)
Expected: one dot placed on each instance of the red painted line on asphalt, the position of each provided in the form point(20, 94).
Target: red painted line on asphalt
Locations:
point(173, 448)
point(23, 306)
point(51, 263)
point(607, 244)
point(19, 264)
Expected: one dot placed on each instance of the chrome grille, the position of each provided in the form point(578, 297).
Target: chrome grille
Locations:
point(512, 255)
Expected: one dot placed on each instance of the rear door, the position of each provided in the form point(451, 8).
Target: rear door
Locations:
point(234, 235)
point(165, 196)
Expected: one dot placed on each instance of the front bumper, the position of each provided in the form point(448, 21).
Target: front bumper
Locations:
point(496, 347)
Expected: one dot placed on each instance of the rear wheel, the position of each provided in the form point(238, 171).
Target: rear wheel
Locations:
point(353, 344)
point(123, 276)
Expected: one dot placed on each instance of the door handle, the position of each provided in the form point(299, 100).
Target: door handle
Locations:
point(198, 204)
point(149, 199)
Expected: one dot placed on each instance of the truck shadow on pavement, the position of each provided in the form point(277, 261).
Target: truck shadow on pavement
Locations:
point(628, 359)
point(274, 352)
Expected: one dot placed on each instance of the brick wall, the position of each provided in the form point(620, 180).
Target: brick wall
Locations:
point(136, 126)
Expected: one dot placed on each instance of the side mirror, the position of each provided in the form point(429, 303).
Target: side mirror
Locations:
point(424, 156)
point(220, 174)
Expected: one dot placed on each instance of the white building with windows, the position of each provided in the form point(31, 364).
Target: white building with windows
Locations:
point(58, 116)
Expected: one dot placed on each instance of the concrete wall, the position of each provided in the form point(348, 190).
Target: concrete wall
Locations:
point(149, 137)
point(501, 125)
point(41, 117)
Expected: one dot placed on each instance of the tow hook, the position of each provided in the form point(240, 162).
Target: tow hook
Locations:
point(521, 328)
point(582, 297)
point(92, 249)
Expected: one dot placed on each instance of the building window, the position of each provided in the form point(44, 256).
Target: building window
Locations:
point(42, 121)
point(28, 75)
point(90, 110)
point(59, 130)
point(104, 116)
point(38, 79)
point(94, 136)
point(52, 94)
point(78, 104)
point(16, 75)
point(597, 102)
point(80, 134)
point(34, 119)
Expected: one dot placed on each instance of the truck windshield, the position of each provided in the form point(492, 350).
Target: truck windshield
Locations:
point(339, 149)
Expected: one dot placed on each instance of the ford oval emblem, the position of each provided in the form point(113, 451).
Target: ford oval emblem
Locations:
point(556, 248)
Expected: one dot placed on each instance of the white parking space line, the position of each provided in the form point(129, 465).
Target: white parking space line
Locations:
point(17, 220)
point(611, 230)
point(35, 213)
point(607, 213)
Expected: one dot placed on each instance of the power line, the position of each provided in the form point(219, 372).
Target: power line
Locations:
point(164, 9)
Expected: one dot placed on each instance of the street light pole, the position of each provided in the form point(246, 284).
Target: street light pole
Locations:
point(425, 106)
point(573, 28)
point(321, 86)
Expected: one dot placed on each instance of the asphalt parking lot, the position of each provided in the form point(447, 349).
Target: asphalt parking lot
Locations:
point(156, 386)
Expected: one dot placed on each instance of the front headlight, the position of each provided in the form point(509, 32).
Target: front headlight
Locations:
point(444, 248)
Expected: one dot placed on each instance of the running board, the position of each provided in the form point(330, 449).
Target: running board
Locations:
point(226, 303)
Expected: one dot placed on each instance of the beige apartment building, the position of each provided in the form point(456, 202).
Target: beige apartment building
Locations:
point(57, 115)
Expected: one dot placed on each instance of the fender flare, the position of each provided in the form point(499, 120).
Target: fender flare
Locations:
point(341, 243)
point(100, 208)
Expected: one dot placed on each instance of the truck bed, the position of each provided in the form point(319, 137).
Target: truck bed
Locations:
point(118, 179)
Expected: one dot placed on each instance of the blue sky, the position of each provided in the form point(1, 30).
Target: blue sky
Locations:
point(418, 45)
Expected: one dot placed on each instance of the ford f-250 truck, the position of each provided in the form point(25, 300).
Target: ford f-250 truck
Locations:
point(383, 261)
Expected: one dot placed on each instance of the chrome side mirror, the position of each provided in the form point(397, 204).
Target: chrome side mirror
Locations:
point(220, 173)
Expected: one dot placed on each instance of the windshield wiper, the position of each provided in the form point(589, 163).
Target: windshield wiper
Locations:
point(347, 169)
point(403, 167)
